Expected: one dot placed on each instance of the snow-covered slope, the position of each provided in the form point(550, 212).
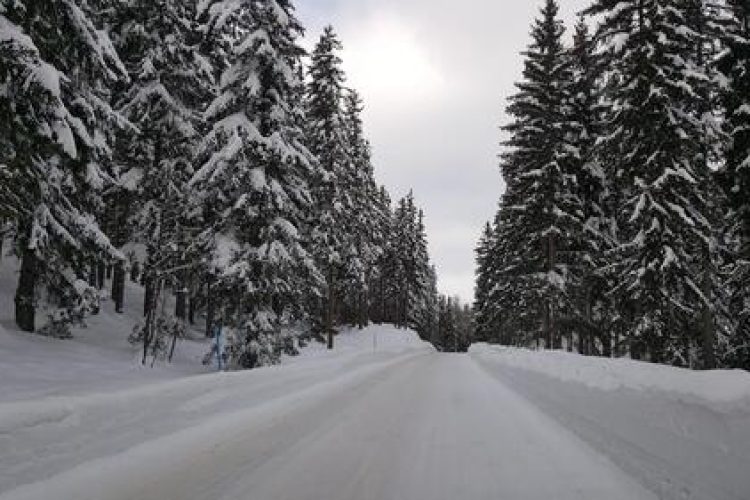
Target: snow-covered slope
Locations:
point(710, 388)
point(99, 358)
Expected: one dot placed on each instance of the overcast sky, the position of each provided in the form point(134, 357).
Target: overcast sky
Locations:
point(434, 75)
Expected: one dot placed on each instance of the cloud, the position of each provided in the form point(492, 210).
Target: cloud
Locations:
point(434, 75)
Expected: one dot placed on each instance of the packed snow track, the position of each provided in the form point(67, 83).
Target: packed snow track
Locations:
point(414, 426)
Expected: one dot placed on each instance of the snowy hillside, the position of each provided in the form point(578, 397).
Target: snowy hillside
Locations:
point(99, 357)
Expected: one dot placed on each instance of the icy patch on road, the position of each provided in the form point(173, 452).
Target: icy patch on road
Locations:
point(725, 388)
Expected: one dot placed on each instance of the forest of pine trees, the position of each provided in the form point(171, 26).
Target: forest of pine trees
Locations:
point(194, 147)
point(625, 227)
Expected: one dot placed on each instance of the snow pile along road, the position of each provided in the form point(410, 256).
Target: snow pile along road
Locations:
point(717, 387)
point(682, 434)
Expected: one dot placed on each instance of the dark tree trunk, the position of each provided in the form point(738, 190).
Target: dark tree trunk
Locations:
point(118, 287)
point(25, 293)
point(135, 272)
point(191, 308)
point(606, 345)
point(150, 305)
point(101, 272)
point(708, 330)
point(551, 264)
point(181, 302)
point(330, 310)
point(110, 269)
point(382, 300)
point(92, 275)
point(209, 308)
point(148, 296)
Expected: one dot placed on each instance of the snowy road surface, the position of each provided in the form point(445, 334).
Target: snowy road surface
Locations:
point(415, 425)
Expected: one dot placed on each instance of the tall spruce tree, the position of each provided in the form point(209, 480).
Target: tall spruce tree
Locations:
point(57, 132)
point(590, 316)
point(168, 84)
point(734, 90)
point(253, 179)
point(328, 142)
point(656, 153)
point(484, 282)
point(542, 212)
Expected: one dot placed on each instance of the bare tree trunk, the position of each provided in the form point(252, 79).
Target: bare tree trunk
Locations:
point(93, 275)
point(330, 307)
point(708, 329)
point(584, 337)
point(192, 302)
point(383, 312)
point(118, 286)
point(549, 307)
point(181, 302)
point(148, 283)
point(101, 272)
point(150, 305)
point(209, 308)
point(25, 293)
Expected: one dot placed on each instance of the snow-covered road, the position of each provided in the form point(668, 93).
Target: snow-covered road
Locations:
point(414, 425)
point(424, 426)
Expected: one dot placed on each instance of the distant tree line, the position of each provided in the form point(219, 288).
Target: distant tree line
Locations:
point(625, 226)
point(188, 145)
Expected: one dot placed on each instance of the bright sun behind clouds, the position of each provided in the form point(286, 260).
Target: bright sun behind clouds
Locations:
point(386, 61)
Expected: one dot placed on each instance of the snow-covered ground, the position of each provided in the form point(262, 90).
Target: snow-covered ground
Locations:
point(383, 416)
point(682, 434)
point(715, 389)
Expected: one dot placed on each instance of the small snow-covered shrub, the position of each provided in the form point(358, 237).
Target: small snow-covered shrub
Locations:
point(158, 340)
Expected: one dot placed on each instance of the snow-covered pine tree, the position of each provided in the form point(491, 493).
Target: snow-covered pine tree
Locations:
point(734, 90)
point(358, 187)
point(410, 279)
point(403, 246)
point(57, 130)
point(484, 282)
point(656, 147)
point(424, 289)
point(590, 318)
point(543, 212)
point(508, 313)
point(254, 173)
point(168, 86)
point(386, 262)
point(327, 140)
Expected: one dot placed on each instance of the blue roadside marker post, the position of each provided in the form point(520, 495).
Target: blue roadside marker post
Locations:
point(218, 347)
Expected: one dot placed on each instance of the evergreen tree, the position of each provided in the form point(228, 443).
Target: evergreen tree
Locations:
point(656, 153)
point(734, 68)
point(327, 141)
point(590, 316)
point(484, 282)
point(57, 131)
point(359, 187)
point(163, 100)
point(253, 179)
point(543, 213)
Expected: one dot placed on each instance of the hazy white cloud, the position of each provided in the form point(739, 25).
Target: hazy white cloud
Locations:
point(434, 75)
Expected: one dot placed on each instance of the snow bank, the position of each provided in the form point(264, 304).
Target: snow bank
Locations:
point(373, 338)
point(725, 387)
